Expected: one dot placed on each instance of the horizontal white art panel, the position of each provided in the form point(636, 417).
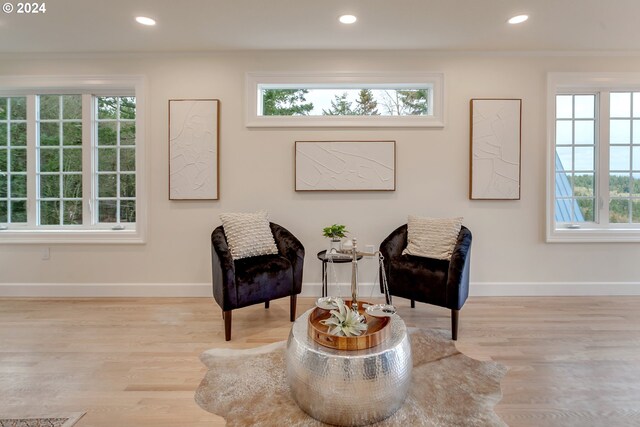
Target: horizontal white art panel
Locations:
point(345, 165)
point(193, 149)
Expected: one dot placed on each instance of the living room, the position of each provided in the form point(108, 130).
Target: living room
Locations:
point(109, 318)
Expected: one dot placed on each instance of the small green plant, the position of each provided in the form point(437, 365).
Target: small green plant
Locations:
point(336, 231)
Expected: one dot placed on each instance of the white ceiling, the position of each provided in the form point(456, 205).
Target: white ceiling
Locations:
point(198, 25)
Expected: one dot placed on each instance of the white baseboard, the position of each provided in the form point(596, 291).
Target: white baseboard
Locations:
point(115, 290)
point(550, 289)
point(502, 289)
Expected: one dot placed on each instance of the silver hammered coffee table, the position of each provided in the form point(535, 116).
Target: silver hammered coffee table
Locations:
point(348, 388)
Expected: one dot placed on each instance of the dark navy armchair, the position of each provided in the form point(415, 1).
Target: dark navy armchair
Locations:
point(432, 281)
point(258, 279)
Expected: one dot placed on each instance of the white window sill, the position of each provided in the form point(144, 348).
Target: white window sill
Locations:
point(71, 237)
point(593, 235)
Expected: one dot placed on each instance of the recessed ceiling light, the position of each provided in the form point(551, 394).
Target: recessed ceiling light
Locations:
point(518, 19)
point(348, 19)
point(145, 21)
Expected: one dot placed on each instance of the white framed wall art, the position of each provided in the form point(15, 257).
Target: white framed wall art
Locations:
point(345, 166)
point(194, 129)
point(495, 149)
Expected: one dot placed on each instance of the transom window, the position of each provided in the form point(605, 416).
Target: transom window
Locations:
point(595, 160)
point(364, 101)
point(70, 165)
point(340, 99)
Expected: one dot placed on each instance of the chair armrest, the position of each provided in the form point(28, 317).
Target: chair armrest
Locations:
point(291, 248)
point(458, 275)
point(394, 244)
point(223, 271)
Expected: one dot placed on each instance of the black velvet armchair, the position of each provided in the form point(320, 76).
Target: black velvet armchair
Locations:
point(258, 279)
point(432, 281)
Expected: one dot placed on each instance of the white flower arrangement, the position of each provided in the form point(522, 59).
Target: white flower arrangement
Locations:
point(345, 321)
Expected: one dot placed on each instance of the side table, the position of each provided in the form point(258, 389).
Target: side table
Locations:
point(341, 259)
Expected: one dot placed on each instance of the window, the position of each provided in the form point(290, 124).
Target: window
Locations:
point(59, 160)
point(365, 101)
point(13, 160)
point(575, 158)
point(624, 158)
point(594, 158)
point(116, 159)
point(340, 99)
point(70, 161)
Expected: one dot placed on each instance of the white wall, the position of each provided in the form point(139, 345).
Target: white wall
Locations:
point(256, 171)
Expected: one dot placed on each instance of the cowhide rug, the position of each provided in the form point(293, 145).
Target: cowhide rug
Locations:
point(249, 387)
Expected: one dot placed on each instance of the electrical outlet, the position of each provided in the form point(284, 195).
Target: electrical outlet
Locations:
point(46, 254)
point(369, 248)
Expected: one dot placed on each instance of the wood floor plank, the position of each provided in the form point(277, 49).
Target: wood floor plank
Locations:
point(134, 362)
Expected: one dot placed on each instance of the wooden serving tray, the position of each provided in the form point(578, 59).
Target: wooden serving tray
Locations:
point(378, 330)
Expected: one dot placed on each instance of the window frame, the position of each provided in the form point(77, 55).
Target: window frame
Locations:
point(34, 172)
point(90, 87)
point(96, 172)
point(601, 84)
point(597, 153)
point(10, 149)
point(254, 80)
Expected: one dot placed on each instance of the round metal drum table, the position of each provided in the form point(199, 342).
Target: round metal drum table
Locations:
point(348, 388)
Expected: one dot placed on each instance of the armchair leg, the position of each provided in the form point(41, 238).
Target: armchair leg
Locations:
point(227, 325)
point(413, 303)
point(454, 324)
point(293, 300)
point(266, 304)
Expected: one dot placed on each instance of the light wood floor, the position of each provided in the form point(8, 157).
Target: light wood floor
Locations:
point(134, 362)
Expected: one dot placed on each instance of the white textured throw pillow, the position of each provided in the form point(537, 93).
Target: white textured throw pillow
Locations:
point(248, 234)
point(432, 237)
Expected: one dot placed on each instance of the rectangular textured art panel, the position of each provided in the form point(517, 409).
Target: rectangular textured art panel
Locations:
point(495, 149)
point(345, 165)
point(193, 149)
